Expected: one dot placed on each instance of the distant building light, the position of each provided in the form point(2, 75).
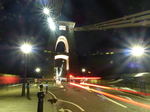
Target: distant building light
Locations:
point(89, 72)
point(111, 52)
point(62, 28)
point(45, 50)
point(111, 62)
point(49, 51)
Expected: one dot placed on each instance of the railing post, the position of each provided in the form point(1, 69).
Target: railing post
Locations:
point(40, 96)
point(28, 90)
point(46, 87)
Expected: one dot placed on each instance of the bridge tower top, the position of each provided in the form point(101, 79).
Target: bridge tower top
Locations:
point(66, 25)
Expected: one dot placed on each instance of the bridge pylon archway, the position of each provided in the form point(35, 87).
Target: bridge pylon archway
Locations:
point(66, 35)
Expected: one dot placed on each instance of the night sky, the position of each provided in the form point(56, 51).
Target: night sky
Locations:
point(22, 20)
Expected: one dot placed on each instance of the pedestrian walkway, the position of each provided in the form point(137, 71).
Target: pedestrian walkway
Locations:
point(12, 101)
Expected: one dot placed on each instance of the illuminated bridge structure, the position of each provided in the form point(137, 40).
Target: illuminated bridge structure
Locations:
point(141, 19)
point(67, 29)
point(68, 57)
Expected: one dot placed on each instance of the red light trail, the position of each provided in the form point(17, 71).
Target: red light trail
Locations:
point(113, 96)
point(87, 77)
point(105, 87)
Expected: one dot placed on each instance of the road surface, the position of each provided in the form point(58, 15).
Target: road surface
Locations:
point(75, 99)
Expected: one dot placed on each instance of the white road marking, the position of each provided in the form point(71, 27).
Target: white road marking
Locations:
point(64, 110)
point(67, 110)
point(52, 94)
point(113, 101)
point(73, 104)
point(61, 110)
point(84, 98)
point(67, 101)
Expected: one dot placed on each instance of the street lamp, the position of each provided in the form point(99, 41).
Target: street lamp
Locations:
point(51, 23)
point(50, 18)
point(38, 70)
point(83, 70)
point(137, 51)
point(26, 48)
point(46, 11)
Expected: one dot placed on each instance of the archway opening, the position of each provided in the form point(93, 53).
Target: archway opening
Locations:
point(61, 60)
point(60, 47)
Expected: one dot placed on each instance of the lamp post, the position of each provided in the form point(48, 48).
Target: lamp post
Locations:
point(139, 51)
point(38, 71)
point(83, 71)
point(26, 49)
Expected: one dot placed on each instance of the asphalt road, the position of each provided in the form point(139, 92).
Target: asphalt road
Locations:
point(75, 99)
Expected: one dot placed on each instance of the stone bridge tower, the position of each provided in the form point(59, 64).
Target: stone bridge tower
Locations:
point(64, 34)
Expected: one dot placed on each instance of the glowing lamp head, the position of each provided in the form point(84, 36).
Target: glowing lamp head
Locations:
point(50, 20)
point(137, 51)
point(83, 69)
point(51, 23)
point(46, 11)
point(37, 70)
point(26, 48)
